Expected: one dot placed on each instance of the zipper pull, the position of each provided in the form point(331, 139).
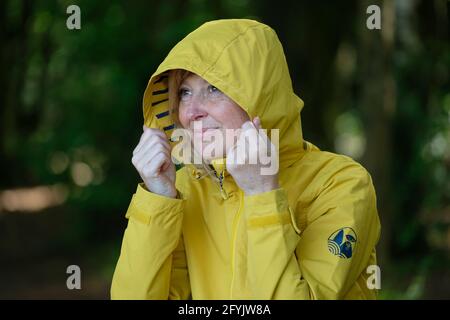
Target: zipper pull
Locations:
point(222, 190)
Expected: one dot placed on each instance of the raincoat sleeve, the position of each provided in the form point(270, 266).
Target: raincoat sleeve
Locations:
point(286, 262)
point(152, 262)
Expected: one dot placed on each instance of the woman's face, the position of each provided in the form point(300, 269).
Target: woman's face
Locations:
point(205, 105)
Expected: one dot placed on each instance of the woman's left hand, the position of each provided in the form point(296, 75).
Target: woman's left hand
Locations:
point(247, 160)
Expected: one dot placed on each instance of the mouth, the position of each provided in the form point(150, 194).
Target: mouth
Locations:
point(205, 134)
point(203, 130)
point(206, 129)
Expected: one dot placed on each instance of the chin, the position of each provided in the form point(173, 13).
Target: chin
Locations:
point(208, 147)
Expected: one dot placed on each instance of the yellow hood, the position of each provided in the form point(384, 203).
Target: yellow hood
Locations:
point(245, 60)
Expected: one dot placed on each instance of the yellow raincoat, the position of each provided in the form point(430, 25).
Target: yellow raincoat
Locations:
point(313, 238)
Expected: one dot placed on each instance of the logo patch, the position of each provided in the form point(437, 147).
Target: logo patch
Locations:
point(342, 242)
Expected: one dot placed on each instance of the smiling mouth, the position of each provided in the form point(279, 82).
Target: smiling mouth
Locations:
point(204, 133)
point(206, 129)
point(203, 130)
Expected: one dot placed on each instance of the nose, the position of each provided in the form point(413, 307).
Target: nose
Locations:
point(197, 115)
point(196, 111)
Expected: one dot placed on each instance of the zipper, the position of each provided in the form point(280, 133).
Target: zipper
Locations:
point(234, 225)
point(233, 243)
point(222, 190)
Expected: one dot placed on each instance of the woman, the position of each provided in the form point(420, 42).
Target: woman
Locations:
point(220, 229)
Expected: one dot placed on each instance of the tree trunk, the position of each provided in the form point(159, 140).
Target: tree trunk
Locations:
point(378, 102)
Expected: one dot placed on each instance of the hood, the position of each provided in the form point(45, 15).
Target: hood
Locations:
point(245, 60)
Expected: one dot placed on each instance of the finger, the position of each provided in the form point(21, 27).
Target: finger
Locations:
point(242, 149)
point(231, 138)
point(248, 131)
point(155, 141)
point(152, 131)
point(257, 122)
point(247, 125)
point(142, 159)
point(143, 137)
point(261, 132)
point(147, 135)
point(150, 143)
point(263, 138)
point(146, 157)
point(231, 154)
point(157, 163)
point(149, 169)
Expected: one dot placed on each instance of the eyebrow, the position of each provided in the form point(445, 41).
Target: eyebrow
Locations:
point(206, 83)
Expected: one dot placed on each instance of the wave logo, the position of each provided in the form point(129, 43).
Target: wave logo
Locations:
point(342, 242)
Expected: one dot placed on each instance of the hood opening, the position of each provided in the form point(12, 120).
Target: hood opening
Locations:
point(245, 60)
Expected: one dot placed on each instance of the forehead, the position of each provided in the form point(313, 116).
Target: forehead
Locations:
point(194, 80)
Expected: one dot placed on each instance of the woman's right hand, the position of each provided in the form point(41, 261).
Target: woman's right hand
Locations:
point(152, 160)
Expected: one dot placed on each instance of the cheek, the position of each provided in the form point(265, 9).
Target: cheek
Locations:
point(230, 115)
point(182, 117)
point(235, 116)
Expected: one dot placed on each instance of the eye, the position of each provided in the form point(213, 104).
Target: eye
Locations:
point(183, 93)
point(212, 89)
